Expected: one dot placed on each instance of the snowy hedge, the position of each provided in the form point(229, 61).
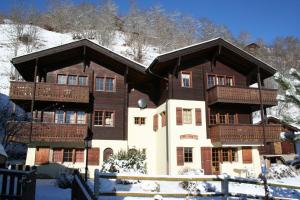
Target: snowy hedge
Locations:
point(131, 161)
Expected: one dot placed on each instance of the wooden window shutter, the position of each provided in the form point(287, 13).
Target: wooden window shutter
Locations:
point(198, 116)
point(163, 119)
point(206, 160)
point(247, 154)
point(93, 156)
point(180, 161)
point(178, 116)
point(155, 122)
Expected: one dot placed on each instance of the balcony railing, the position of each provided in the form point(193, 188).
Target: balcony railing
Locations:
point(225, 94)
point(49, 92)
point(244, 134)
point(48, 132)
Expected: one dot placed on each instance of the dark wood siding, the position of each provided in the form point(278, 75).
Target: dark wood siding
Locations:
point(135, 95)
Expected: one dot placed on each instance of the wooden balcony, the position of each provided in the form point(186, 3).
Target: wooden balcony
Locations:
point(49, 92)
point(225, 94)
point(244, 133)
point(48, 132)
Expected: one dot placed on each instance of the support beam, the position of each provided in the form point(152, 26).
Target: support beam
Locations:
point(262, 114)
point(33, 98)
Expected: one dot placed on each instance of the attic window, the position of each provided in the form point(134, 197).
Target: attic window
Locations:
point(186, 78)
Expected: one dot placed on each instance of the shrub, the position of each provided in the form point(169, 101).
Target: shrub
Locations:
point(131, 161)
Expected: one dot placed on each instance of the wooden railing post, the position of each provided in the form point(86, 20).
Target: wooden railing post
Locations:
point(225, 188)
point(96, 182)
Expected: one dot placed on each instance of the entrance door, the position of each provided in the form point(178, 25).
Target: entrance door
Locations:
point(215, 161)
point(42, 155)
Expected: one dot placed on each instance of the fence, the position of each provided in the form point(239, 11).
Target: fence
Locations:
point(224, 193)
point(80, 190)
point(18, 183)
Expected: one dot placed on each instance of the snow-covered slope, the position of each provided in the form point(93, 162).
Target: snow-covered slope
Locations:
point(48, 39)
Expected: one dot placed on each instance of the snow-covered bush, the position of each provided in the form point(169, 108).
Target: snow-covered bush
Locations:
point(131, 161)
point(194, 186)
point(64, 180)
point(278, 171)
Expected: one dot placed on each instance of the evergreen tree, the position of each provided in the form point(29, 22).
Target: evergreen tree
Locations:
point(291, 94)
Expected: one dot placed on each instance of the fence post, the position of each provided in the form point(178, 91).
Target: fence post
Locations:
point(225, 188)
point(96, 182)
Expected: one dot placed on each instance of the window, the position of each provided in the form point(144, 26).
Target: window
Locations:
point(72, 80)
point(104, 118)
point(188, 154)
point(212, 119)
point(220, 80)
point(105, 84)
point(210, 81)
point(187, 116)
point(107, 153)
point(234, 156)
point(225, 154)
point(109, 85)
point(99, 84)
point(229, 81)
point(163, 119)
point(70, 117)
point(215, 160)
point(81, 118)
point(62, 79)
point(68, 154)
point(222, 119)
point(59, 117)
point(140, 120)
point(186, 79)
point(231, 118)
point(213, 80)
point(82, 80)
point(79, 155)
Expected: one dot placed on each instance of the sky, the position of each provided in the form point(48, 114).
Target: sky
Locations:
point(264, 19)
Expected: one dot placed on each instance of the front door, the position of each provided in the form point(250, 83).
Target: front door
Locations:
point(42, 155)
point(215, 161)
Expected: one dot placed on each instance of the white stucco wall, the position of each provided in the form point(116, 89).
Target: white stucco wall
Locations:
point(176, 130)
point(239, 168)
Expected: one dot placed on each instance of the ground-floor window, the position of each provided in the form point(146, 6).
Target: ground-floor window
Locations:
point(68, 155)
point(188, 154)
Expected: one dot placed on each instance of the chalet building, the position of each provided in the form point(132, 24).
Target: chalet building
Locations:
point(197, 109)
point(283, 147)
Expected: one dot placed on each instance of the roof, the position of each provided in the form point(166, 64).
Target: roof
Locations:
point(279, 121)
point(76, 48)
point(210, 44)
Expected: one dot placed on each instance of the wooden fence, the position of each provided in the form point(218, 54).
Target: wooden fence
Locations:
point(18, 183)
point(224, 193)
point(80, 190)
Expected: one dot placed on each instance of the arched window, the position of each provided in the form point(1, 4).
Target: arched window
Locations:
point(107, 153)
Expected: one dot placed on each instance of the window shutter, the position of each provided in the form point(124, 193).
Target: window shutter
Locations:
point(206, 154)
point(178, 116)
point(180, 160)
point(163, 119)
point(93, 156)
point(198, 116)
point(155, 122)
point(247, 154)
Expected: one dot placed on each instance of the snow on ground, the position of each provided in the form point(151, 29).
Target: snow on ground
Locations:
point(46, 189)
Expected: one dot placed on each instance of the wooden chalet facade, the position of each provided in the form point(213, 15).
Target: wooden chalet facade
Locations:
point(81, 89)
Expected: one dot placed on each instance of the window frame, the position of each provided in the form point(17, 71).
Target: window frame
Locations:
point(76, 79)
point(66, 80)
point(68, 155)
point(139, 121)
point(86, 80)
point(215, 80)
point(188, 156)
point(103, 118)
point(104, 84)
point(191, 116)
point(190, 74)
